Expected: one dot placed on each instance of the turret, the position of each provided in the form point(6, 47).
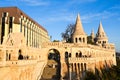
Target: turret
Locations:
point(101, 37)
point(79, 36)
point(92, 36)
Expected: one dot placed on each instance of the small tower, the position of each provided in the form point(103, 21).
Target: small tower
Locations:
point(101, 37)
point(92, 36)
point(79, 36)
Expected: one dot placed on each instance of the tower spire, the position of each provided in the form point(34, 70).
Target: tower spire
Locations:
point(78, 27)
point(79, 36)
point(101, 35)
point(101, 32)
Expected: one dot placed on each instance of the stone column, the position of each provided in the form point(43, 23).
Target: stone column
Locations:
point(77, 70)
point(31, 31)
point(33, 35)
point(0, 28)
point(28, 33)
point(6, 28)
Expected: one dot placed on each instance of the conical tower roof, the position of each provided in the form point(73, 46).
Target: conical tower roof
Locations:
point(78, 27)
point(101, 32)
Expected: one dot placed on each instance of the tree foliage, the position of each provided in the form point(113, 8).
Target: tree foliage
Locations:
point(112, 73)
point(67, 35)
point(56, 41)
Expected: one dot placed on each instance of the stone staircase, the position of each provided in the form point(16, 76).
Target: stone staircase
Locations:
point(50, 71)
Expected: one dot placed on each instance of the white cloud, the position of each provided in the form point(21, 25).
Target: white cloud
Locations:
point(81, 1)
point(35, 2)
point(61, 18)
point(97, 16)
point(115, 7)
point(86, 18)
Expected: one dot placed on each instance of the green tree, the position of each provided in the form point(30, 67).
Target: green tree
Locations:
point(90, 76)
point(56, 41)
point(67, 35)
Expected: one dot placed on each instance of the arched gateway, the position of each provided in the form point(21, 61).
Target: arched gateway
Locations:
point(52, 70)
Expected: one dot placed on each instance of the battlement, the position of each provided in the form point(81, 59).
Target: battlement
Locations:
point(109, 47)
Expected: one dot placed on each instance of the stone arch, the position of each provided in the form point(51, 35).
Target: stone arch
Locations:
point(53, 68)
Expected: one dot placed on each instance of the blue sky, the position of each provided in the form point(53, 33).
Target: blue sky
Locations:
point(55, 15)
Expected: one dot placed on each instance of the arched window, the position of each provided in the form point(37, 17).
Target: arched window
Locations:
point(76, 40)
point(76, 54)
point(80, 54)
point(83, 39)
point(66, 54)
point(69, 54)
point(20, 57)
point(80, 39)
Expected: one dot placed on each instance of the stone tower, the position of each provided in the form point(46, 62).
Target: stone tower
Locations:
point(79, 36)
point(92, 35)
point(101, 37)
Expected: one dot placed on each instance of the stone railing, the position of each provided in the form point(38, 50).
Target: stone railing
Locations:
point(20, 62)
point(80, 59)
point(58, 44)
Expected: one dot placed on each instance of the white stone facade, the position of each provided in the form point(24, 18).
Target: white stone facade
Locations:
point(25, 47)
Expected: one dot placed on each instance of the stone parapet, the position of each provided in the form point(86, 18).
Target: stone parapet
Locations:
point(81, 60)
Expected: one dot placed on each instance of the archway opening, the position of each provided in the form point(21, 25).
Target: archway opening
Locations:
point(20, 57)
point(52, 71)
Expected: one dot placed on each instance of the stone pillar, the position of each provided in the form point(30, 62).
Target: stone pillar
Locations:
point(33, 35)
point(77, 70)
point(38, 37)
point(6, 28)
point(21, 21)
point(0, 29)
point(28, 33)
point(31, 32)
point(63, 70)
